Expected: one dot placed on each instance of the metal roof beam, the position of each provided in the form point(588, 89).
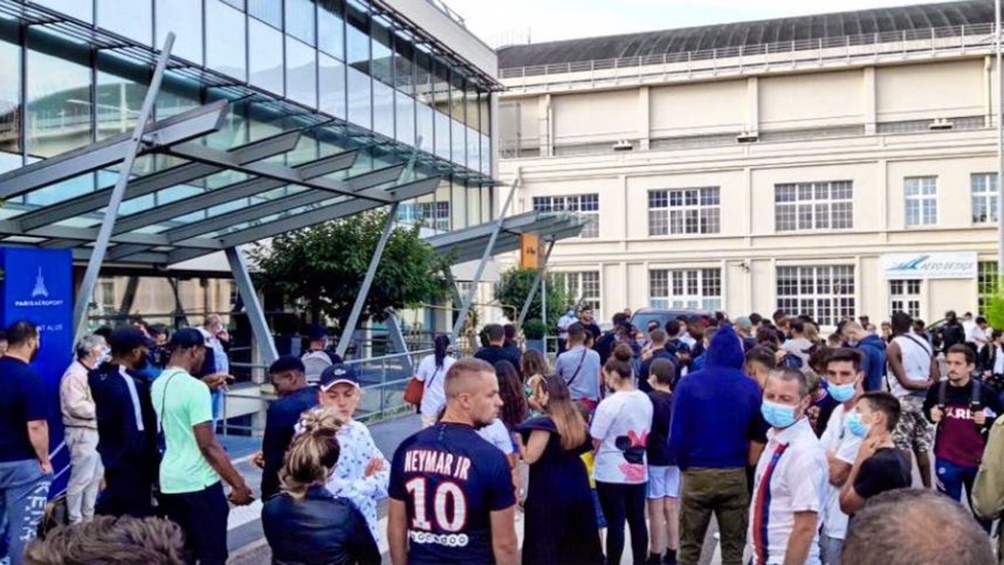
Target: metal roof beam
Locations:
point(216, 223)
point(151, 183)
point(61, 234)
point(268, 170)
point(176, 129)
point(330, 212)
point(229, 193)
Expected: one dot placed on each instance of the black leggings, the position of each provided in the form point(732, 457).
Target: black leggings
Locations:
point(622, 502)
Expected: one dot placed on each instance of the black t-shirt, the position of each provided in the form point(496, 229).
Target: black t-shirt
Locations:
point(884, 471)
point(494, 353)
point(450, 480)
point(22, 401)
point(657, 447)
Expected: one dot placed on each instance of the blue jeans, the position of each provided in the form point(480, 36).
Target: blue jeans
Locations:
point(25, 490)
point(950, 479)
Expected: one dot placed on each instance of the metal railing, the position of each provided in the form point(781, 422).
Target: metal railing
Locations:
point(974, 35)
point(383, 381)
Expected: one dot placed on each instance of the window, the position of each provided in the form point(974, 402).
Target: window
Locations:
point(921, 201)
point(583, 287)
point(984, 194)
point(10, 92)
point(268, 11)
point(813, 206)
point(987, 283)
point(184, 18)
point(104, 296)
point(301, 72)
point(266, 57)
point(695, 289)
point(225, 48)
point(684, 211)
point(58, 103)
point(435, 215)
point(331, 28)
point(300, 20)
point(825, 293)
point(129, 18)
point(587, 205)
point(904, 296)
point(332, 75)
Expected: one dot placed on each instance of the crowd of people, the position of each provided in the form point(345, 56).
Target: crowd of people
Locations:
point(802, 448)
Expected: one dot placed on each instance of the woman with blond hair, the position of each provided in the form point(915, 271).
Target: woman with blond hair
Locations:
point(306, 524)
point(561, 522)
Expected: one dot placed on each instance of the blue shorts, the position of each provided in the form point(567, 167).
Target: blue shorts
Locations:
point(663, 482)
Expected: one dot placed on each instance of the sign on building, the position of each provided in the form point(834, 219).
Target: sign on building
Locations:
point(950, 265)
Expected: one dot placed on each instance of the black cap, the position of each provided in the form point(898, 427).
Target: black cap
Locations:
point(187, 337)
point(338, 373)
point(127, 338)
point(317, 332)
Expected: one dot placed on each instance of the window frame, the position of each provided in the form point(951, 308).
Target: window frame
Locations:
point(664, 211)
point(806, 197)
point(905, 295)
point(827, 308)
point(575, 284)
point(573, 203)
point(989, 194)
point(688, 288)
point(918, 203)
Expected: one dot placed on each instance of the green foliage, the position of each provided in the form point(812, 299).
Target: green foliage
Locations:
point(994, 309)
point(534, 329)
point(322, 268)
point(514, 286)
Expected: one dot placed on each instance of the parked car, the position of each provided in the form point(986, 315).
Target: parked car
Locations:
point(643, 316)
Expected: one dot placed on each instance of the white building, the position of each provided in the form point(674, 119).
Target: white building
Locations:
point(839, 164)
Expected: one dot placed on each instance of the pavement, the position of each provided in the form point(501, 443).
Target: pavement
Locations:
point(246, 539)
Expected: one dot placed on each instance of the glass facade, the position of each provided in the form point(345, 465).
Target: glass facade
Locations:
point(386, 88)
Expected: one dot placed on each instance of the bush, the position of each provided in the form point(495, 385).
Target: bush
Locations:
point(534, 329)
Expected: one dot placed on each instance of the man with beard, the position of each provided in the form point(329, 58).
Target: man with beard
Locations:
point(25, 470)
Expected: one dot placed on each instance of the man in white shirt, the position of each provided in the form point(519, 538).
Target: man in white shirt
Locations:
point(80, 421)
point(790, 479)
point(845, 377)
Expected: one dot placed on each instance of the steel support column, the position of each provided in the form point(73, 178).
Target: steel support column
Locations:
point(256, 314)
point(396, 337)
point(465, 307)
point(357, 307)
point(129, 297)
point(108, 223)
point(536, 283)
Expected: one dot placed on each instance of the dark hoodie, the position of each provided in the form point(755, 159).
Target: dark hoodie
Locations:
point(715, 410)
point(873, 349)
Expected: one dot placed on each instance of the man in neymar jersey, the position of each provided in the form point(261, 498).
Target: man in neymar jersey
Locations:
point(451, 493)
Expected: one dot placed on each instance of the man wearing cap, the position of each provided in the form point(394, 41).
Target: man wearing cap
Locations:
point(744, 328)
point(127, 426)
point(362, 473)
point(192, 493)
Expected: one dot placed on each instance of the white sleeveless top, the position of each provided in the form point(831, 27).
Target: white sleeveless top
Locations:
point(916, 362)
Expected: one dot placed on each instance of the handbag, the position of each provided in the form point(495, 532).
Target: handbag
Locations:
point(414, 391)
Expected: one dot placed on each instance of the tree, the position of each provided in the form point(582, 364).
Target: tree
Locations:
point(323, 268)
point(514, 286)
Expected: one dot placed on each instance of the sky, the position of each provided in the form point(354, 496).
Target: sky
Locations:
point(505, 22)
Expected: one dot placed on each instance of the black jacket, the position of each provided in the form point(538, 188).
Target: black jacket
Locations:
point(319, 530)
point(122, 443)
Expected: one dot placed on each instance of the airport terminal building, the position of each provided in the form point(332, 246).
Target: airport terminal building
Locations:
point(837, 164)
point(390, 100)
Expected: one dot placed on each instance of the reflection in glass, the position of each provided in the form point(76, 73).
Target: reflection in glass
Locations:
point(459, 143)
point(473, 195)
point(486, 154)
point(424, 139)
point(269, 11)
point(184, 18)
point(457, 97)
point(331, 28)
point(360, 104)
point(404, 53)
point(332, 86)
point(484, 101)
point(9, 161)
point(300, 19)
point(129, 18)
point(10, 91)
point(404, 107)
point(382, 59)
point(301, 72)
point(458, 205)
point(59, 105)
point(61, 191)
point(383, 109)
point(80, 9)
point(226, 40)
point(473, 149)
point(266, 57)
point(442, 135)
point(357, 39)
point(120, 96)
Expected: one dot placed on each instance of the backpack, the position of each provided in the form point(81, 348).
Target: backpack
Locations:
point(974, 398)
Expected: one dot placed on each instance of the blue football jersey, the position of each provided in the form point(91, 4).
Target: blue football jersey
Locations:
point(451, 480)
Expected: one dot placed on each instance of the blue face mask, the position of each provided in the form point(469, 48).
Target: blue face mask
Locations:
point(841, 393)
point(856, 426)
point(777, 415)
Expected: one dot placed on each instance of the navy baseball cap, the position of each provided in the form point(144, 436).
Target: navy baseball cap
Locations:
point(127, 338)
point(338, 373)
point(187, 337)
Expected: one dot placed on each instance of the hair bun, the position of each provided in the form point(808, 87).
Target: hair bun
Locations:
point(623, 352)
point(320, 422)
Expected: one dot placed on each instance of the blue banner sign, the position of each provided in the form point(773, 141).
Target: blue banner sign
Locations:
point(38, 287)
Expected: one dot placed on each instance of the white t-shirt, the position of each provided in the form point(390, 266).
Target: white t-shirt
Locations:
point(844, 445)
point(498, 435)
point(434, 396)
point(626, 415)
point(916, 362)
point(798, 347)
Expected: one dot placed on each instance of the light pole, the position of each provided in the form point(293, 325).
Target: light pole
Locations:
point(1000, 147)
